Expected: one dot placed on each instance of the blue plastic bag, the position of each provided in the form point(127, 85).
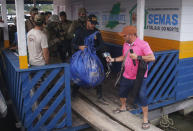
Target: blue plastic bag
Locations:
point(85, 66)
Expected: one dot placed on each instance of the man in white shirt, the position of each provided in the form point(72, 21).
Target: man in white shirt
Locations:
point(38, 50)
point(37, 44)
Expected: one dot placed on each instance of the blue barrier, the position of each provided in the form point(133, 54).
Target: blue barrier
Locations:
point(185, 79)
point(162, 78)
point(31, 96)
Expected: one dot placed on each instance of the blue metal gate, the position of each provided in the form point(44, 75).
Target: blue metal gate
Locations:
point(41, 94)
point(162, 78)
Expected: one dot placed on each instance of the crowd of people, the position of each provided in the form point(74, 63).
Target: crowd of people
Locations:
point(53, 38)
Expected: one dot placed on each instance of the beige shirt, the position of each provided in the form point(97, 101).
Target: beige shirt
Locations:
point(36, 41)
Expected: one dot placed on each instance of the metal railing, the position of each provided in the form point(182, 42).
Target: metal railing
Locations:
point(162, 77)
point(41, 94)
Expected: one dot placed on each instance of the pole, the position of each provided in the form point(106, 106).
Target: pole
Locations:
point(19, 5)
point(5, 29)
point(140, 18)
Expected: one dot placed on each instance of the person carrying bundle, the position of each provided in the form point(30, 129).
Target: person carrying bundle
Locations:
point(89, 45)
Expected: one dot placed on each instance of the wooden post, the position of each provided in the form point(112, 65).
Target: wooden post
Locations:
point(140, 18)
point(5, 29)
point(19, 6)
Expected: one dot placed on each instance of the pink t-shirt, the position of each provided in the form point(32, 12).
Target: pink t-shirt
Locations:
point(139, 47)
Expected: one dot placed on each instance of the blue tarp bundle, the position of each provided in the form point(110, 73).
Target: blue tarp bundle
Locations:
point(86, 68)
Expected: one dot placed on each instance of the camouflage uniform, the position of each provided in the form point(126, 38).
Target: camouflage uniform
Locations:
point(67, 41)
point(30, 24)
point(80, 23)
point(55, 37)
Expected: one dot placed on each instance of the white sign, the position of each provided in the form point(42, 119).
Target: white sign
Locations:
point(162, 19)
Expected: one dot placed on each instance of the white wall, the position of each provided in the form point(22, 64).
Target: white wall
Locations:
point(102, 8)
point(187, 21)
point(170, 8)
point(179, 12)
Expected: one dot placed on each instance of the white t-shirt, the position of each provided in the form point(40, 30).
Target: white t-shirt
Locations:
point(36, 41)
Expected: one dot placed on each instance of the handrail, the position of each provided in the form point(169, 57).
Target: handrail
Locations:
point(13, 59)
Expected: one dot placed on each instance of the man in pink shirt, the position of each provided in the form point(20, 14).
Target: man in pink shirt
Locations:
point(141, 51)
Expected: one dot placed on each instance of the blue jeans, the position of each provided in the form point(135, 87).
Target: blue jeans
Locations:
point(126, 86)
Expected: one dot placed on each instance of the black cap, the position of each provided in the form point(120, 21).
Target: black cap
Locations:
point(34, 10)
point(93, 19)
point(62, 13)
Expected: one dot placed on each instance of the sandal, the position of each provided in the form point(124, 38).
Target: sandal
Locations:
point(118, 110)
point(145, 126)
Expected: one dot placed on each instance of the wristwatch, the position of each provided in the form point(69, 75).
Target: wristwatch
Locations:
point(139, 57)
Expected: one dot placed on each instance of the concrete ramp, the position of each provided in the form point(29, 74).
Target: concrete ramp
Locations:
point(101, 117)
point(95, 117)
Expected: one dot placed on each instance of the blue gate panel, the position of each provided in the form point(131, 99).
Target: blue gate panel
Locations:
point(34, 89)
point(185, 79)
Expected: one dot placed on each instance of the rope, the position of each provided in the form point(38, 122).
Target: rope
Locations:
point(108, 70)
point(167, 123)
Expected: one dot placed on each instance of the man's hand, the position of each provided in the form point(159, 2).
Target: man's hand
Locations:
point(109, 59)
point(133, 56)
point(82, 47)
point(46, 55)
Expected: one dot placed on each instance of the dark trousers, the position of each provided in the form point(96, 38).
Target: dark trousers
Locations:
point(62, 51)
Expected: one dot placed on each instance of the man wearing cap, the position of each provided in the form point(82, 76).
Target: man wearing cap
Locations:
point(55, 38)
point(141, 51)
point(47, 16)
point(37, 44)
point(30, 22)
point(38, 51)
point(76, 24)
point(78, 44)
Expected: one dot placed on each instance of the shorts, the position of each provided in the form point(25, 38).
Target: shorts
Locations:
point(126, 86)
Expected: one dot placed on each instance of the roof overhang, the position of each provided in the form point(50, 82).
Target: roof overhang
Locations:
point(31, 1)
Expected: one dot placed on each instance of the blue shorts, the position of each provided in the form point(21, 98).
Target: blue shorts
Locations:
point(126, 86)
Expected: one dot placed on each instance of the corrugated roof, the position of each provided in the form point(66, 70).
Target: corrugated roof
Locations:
point(31, 1)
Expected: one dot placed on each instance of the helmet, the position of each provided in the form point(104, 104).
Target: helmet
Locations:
point(38, 19)
point(82, 10)
point(54, 18)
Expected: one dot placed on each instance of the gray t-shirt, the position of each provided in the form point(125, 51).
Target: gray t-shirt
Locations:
point(36, 41)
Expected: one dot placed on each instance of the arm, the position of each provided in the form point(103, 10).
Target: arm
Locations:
point(148, 54)
point(71, 30)
point(117, 59)
point(44, 45)
point(46, 55)
point(78, 40)
point(147, 58)
point(99, 45)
